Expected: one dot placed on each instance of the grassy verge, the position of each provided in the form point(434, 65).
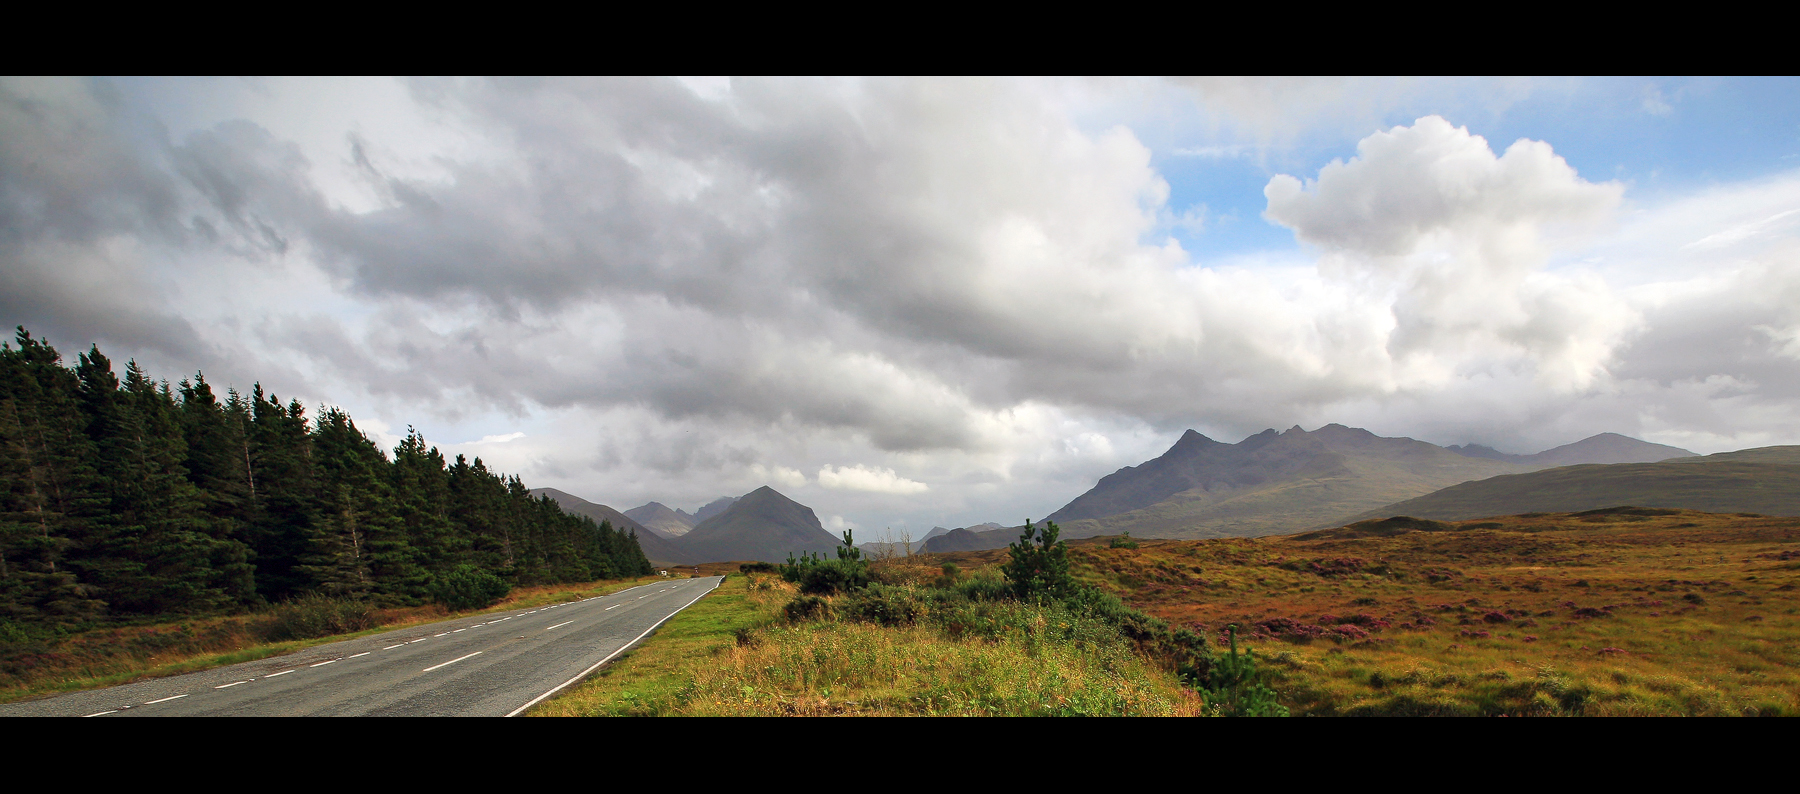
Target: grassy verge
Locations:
point(732, 655)
point(39, 667)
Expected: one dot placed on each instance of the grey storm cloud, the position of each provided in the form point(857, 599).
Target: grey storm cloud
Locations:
point(880, 267)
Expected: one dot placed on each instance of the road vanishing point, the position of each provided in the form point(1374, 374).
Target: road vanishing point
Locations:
point(495, 665)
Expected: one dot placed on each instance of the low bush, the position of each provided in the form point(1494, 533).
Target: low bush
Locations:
point(806, 607)
point(317, 616)
point(884, 604)
point(468, 587)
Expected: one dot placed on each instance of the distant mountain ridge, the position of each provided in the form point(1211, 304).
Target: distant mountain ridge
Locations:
point(713, 508)
point(760, 525)
point(1269, 483)
point(1277, 482)
point(656, 547)
point(660, 519)
point(1603, 448)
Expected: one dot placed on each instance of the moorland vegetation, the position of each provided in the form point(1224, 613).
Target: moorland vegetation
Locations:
point(1614, 611)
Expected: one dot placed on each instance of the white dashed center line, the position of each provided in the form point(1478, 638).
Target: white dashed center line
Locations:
point(165, 700)
point(391, 647)
point(560, 625)
point(451, 662)
point(611, 608)
point(272, 675)
point(322, 664)
point(230, 685)
point(364, 653)
point(104, 713)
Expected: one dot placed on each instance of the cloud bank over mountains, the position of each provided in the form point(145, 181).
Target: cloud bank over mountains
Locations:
point(927, 299)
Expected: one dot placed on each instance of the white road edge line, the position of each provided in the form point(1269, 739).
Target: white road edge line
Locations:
point(559, 625)
point(284, 672)
point(228, 686)
point(451, 662)
point(609, 657)
point(165, 700)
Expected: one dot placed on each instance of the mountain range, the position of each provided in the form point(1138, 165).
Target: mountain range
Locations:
point(1280, 482)
point(760, 525)
point(1274, 483)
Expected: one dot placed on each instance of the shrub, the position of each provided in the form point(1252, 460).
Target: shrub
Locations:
point(1040, 563)
point(883, 604)
point(756, 567)
point(1123, 541)
point(317, 616)
point(1231, 685)
point(468, 587)
point(806, 607)
point(985, 586)
point(950, 577)
point(831, 577)
point(819, 576)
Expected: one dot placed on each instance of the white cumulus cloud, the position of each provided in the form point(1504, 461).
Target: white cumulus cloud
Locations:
point(863, 478)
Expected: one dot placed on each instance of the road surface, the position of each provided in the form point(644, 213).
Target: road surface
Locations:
point(495, 665)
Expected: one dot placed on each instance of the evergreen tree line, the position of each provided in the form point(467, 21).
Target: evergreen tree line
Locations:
point(133, 497)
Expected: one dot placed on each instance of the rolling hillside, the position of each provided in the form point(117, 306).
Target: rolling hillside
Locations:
point(1722, 483)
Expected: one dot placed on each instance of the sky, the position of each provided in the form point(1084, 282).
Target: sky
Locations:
point(910, 303)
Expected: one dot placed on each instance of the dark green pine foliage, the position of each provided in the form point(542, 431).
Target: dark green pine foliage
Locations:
point(45, 471)
point(131, 497)
point(285, 501)
point(358, 547)
point(218, 464)
point(422, 502)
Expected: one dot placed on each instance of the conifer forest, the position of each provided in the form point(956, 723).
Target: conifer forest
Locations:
point(125, 496)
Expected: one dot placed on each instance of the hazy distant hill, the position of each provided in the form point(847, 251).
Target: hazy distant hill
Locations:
point(1723, 483)
point(975, 538)
point(935, 531)
point(762, 525)
point(659, 549)
point(1266, 484)
point(660, 519)
point(1603, 448)
point(1789, 455)
point(711, 509)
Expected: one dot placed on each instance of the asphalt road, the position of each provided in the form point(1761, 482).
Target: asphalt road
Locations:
point(495, 665)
